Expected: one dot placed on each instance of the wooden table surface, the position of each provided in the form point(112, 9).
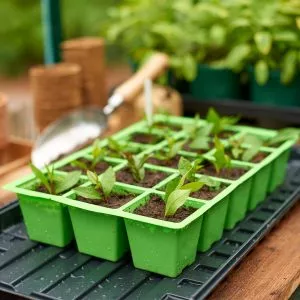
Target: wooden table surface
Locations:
point(270, 271)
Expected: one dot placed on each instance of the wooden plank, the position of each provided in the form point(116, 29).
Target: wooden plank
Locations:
point(271, 270)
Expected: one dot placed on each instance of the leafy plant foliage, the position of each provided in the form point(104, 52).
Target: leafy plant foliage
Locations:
point(56, 184)
point(219, 123)
point(100, 185)
point(245, 153)
point(221, 159)
point(136, 165)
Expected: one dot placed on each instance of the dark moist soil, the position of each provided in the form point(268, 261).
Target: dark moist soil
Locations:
point(42, 189)
point(99, 168)
point(164, 125)
point(256, 159)
point(206, 193)
point(225, 134)
point(171, 163)
point(155, 208)
point(227, 173)
point(151, 178)
point(186, 147)
point(146, 138)
point(114, 200)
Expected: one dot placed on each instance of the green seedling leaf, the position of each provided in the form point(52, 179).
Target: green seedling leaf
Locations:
point(107, 180)
point(136, 165)
point(236, 152)
point(69, 181)
point(184, 165)
point(193, 186)
point(88, 192)
point(40, 176)
point(171, 186)
point(93, 178)
point(176, 199)
point(214, 118)
point(250, 153)
point(200, 142)
point(221, 159)
point(79, 164)
point(208, 181)
point(284, 135)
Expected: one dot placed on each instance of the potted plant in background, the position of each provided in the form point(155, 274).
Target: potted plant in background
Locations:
point(195, 36)
point(267, 41)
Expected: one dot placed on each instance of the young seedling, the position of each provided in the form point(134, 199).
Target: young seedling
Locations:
point(222, 160)
point(119, 148)
point(178, 191)
point(219, 123)
point(190, 168)
point(239, 151)
point(101, 186)
point(98, 154)
point(172, 149)
point(136, 165)
point(198, 134)
point(53, 183)
point(283, 135)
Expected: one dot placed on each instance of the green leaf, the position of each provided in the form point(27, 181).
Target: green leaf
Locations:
point(236, 152)
point(69, 181)
point(263, 40)
point(184, 165)
point(39, 175)
point(79, 164)
point(238, 57)
point(88, 192)
point(209, 181)
point(285, 134)
point(214, 118)
point(250, 153)
point(114, 145)
point(171, 186)
point(176, 199)
point(218, 35)
point(93, 177)
point(107, 180)
point(200, 142)
point(261, 72)
point(221, 159)
point(193, 186)
point(289, 67)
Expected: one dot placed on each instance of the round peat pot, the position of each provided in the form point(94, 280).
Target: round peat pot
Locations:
point(274, 92)
point(214, 83)
point(213, 224)
point(161, 246)
point(46, 220)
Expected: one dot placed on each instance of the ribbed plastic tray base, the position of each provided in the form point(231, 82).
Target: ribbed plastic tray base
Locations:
point(34, 271)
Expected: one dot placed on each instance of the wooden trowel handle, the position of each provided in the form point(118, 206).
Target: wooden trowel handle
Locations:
point(154, 67)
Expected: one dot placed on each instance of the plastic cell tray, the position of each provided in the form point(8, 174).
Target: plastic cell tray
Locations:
point(30, 270)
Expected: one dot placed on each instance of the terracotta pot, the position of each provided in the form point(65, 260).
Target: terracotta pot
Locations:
point(4, 138)
point(57, 90)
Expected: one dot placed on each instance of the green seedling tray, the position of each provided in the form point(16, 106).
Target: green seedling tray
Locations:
point(222, 212)
point(160, 246)
point(98, 230)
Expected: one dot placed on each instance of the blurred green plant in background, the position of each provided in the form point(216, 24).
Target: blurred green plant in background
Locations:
point(21, 33)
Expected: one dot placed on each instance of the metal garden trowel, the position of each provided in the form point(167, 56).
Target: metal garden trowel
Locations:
point(76, 128)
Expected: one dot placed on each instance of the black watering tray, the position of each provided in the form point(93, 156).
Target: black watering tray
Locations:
point(29, 270)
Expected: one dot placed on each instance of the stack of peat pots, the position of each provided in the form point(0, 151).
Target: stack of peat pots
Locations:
point(157, 245)
point(57, 90)
point(88, 53)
